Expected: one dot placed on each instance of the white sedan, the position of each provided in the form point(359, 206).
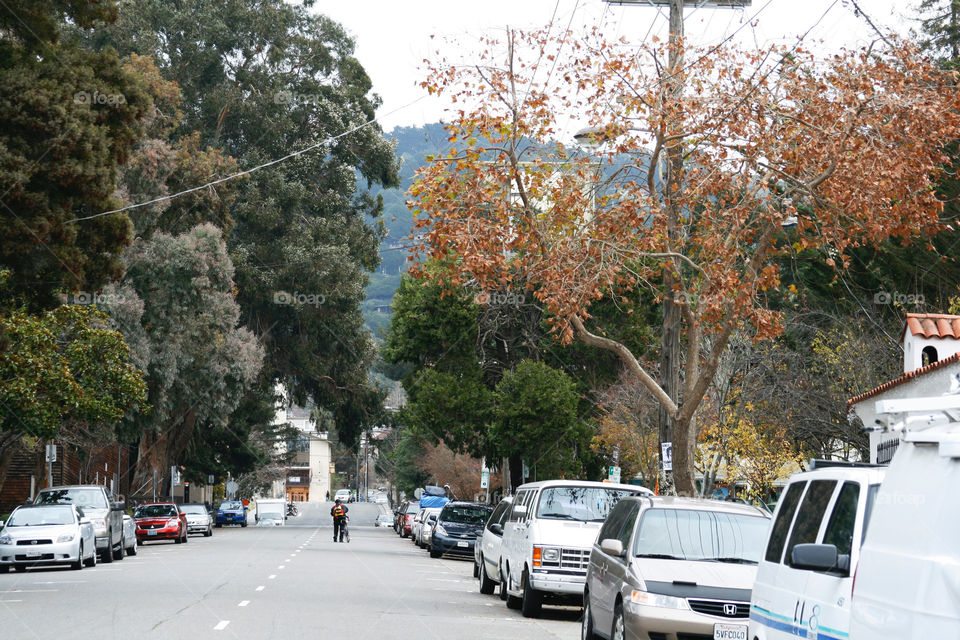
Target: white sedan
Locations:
point(47, 534)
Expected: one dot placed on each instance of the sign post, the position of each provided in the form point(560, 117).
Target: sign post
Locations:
point(667, 455)
point(51, 458)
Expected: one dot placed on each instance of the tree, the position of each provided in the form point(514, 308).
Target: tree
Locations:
point(850, 146)
point(64, 374)
point(68, 120)
point(177, 308)
point(265, 79)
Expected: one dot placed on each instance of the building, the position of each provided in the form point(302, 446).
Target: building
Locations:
point(931, 358)
point(307, 476)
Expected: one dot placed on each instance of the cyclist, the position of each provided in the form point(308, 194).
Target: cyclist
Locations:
point(339, 513)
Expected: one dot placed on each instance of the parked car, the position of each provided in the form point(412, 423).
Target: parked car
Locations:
point(908, 579)
point(547, 539)
point(796, 593)
point(231, 512)
point(486, 551)
point(129, 535)
point(160, 521)
point(47, 535)
point(198, 519)
point(104, 510)
point(666, 567)
point(457, 527)
point(384, 520)
point(407, 516)
point(426, 528)
point(343, 495)
point(417, 523)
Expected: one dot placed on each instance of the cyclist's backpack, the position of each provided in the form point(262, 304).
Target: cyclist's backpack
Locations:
point(338, 511)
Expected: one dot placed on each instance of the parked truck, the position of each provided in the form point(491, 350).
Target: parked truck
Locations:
point(271, 512)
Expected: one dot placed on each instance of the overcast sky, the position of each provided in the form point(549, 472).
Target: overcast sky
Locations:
point(394, 37)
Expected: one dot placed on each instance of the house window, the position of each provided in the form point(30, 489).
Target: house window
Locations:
point(928, 356)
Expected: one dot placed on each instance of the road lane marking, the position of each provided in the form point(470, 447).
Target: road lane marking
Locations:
point(281, 567)
point(271, 577)
point(260, 588)
point(243, 603)
point(221, 625)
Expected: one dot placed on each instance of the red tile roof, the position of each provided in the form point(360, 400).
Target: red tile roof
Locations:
point(916, 373)
point(932, 325)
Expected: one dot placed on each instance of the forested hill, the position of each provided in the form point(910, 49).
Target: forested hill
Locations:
point(414, 144)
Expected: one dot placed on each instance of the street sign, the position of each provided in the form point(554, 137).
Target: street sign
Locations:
point(51, 453)
point(526, 470)
point(666, 450)
point(210, 479)
point(485, 479)
point(232, 488)
point(614, 474)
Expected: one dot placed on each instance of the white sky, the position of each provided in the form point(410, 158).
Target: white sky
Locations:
point(393, 37)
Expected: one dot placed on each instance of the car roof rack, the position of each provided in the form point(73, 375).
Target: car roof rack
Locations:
point(820, 463)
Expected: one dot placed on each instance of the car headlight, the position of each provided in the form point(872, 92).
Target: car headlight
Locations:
point(67, 537)
point(6, 539)
point(173, 522)
point(99, 524)
point(439, 529)
point(657, 600)
point(551, 554)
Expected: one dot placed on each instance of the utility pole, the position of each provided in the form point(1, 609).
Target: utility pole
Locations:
point(671, 326)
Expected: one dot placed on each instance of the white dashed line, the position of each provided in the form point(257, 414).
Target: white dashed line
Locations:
point(271, 577)
point(243, 603)
point(221, 625)
point(260, 588)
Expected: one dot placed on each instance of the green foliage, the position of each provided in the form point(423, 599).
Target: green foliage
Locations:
point(536, 418)
point(264, 80)
point(454, 408)
point(64, 369)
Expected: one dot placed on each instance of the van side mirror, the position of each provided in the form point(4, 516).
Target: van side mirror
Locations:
point(612, 546)
point(28, 501)
point(819, 557)
point(496, 528)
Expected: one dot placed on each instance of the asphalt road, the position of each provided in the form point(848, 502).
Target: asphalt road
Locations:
point(281, 582)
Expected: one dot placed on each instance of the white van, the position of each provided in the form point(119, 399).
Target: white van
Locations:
point(805, 577)
point(908, 580)
point(548, 536)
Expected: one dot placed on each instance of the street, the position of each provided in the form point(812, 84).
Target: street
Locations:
point(282, 582)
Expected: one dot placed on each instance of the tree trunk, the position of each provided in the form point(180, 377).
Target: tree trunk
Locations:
point(684, 447)
point(6, 457)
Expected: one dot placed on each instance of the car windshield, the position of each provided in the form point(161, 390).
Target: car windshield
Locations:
point(586, 504)
point(84, 498)
point(155, 511)
point(231, 505)
point(690, 534)
point(466, 515)
point(33, 517)
point(194, 508)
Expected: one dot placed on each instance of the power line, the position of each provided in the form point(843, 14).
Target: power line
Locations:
point(239, 174)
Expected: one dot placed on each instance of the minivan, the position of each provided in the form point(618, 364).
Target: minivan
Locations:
point(547, 539)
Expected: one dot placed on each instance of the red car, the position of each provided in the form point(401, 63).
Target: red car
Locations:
point(406, 518)
point(160, 521)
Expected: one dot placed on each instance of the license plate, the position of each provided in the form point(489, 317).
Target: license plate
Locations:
point(34, 554)
point(723, 631)
point(463, 543)
point(152, 532)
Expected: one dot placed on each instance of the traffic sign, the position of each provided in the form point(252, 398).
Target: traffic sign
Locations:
point(51, 453)
point(614, 474)
point(666, 450)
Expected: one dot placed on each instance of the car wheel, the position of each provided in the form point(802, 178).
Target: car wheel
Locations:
point(118, 552)
point(76, 566)
point(586, 630)
point(179, 538)
point(4, 568)
point(20, 567)
point(243, 524)
point(107, 556)
point(503, 584)
point(617, 632)
point(186, 536)
point(208, 532)
point(486, 584)
point(513, 602)
point(132, 549)
point(218, 525)
point(532, 599)
point(92, 560)
point(139, 542)
point(435, 553)
point(476, 569)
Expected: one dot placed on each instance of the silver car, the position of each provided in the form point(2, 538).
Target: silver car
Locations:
point(486, 551)
point(672, 568)
point(47, 535)
point(129, 535)
point(198, 519)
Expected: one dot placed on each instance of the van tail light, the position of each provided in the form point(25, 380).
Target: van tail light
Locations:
point(536, 556)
